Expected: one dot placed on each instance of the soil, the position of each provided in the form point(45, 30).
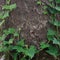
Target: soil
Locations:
point(29, 17)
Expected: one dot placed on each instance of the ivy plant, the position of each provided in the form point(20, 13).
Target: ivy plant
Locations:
point(52, 46)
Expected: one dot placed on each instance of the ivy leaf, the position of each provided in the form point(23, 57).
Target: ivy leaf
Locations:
point(51, 32)
point(45, 12)
point(57, 8)
point(55, 22)
point(55, 41)
point(11, 30)
point(4, 15)
point(50, 38)
point(30, 52)
point(23, 58)
point(57, 1)
point(5, 43)
point(11, 41)
point(18, 49)
point(9, 7)
point(39, 2)
point(3, 37)
point(53, 51)
point(44, 45)
point(52, 10)
point(15, 56)
point(16, 34)
point(21, 43)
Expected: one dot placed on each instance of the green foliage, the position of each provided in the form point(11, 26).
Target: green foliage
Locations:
point(57, 1)
point(4, 15)
point(9, 31)
point(7, 1)
point(57, 8)
point(53, 37)
point(53, 34)
point(20, 47)
point(53, 8)
point(52, 46)
point(53, 51)
point(6, 9)
point(39, 2)
point(6, 44)
point(30, 51)
point(44, 45)
point(9, 7)
point(56, 42)
point(15, 56)
point(8, 37)
point(21, 43)
point(45, 11)
point(55, 23)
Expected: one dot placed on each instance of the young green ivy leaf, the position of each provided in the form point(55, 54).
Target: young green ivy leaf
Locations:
point(30, 52)
point(55, 41)
point(9, 7)
point(11, 41)
point(21, 43)
point(39, 2)
point(55, 23)
point(57, 8)
point(57, 1)
point(53, 10)
point(53, 51)
point(50, 38)
point(23, 58)
point(9, 31)
point(16, 34)
point(15, 56)
point(45, 12)
point(19, 46)
point(19, 49)
point(4, 15)
point(51, 32)
point(44, 45)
